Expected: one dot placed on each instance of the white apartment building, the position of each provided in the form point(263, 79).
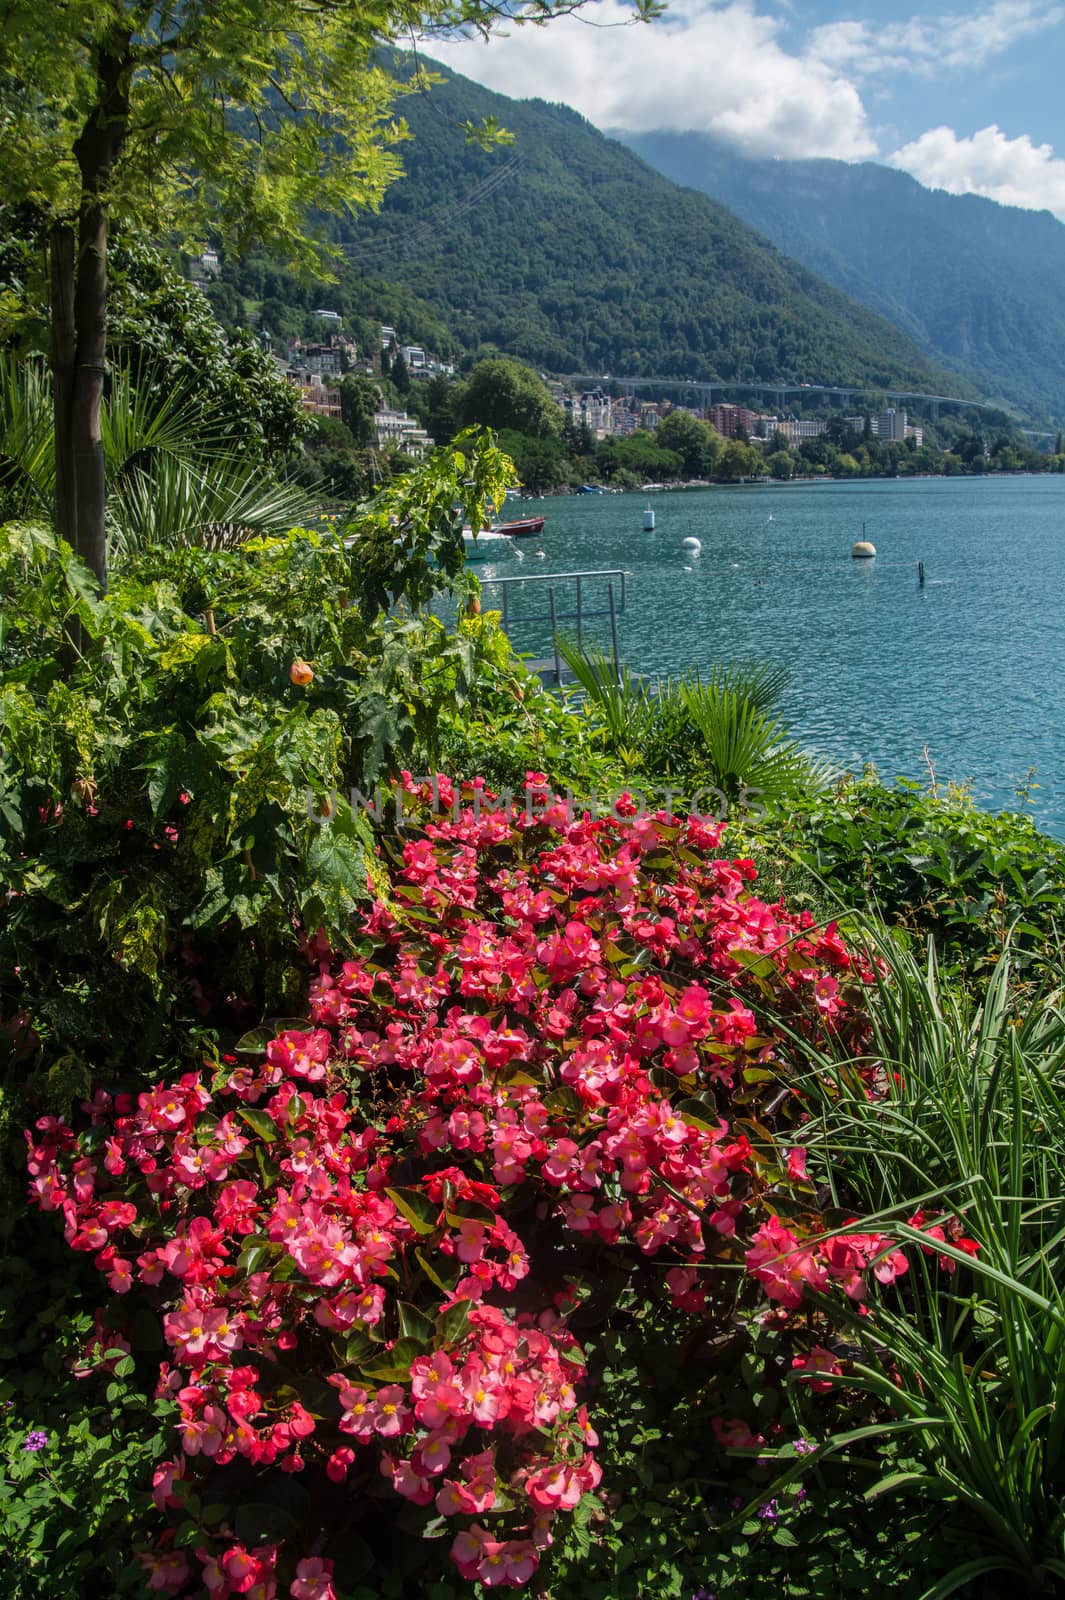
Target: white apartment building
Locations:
point(396, 429)
point(796, 430)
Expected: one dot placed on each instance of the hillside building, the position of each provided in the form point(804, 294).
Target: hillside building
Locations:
point(729, 419)
point(890, 426)
point(394, 429)
point(796, 429)
point(315, 397)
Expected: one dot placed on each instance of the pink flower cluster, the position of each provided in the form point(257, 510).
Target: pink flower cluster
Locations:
point(530, 1058)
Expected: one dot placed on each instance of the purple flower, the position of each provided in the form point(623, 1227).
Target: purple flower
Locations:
point(804, 1447)
point(769, 1512)
point(36, 1439)
point(800, 1496)
point(703, 1594)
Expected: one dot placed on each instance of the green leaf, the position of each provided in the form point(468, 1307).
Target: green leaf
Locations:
point(394, 1365)
point(438, 1272)
point(256, 1255)
point(451, 1324)
point(697, 1114)
point(414, 1324)
point(259, 1122)
point(418, 1209)
point(259, 1522)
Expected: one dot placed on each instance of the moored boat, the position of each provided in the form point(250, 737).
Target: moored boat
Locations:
point(523, 528)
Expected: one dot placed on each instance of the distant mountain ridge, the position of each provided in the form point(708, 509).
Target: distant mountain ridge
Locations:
point(583, 259)
point(979, 286)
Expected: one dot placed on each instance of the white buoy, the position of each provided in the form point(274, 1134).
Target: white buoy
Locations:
point(863, 550)
point(687, 569)
point(648, 521)
point(540, 555)
point(690, 543)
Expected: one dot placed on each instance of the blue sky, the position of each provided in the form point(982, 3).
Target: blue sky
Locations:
point(966, 100)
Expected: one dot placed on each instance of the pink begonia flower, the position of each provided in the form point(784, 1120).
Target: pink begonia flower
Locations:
point(313, 1580)
point(517, 981)
point(241, 1568)
point(734, 1433)
point(170, 1571)
point(817, 1359)
point(797, 1163)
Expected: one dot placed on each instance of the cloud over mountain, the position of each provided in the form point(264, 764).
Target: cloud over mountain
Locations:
point(1015, 172)
point(719, 68)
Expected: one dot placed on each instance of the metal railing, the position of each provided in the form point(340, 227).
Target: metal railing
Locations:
point(581, 613)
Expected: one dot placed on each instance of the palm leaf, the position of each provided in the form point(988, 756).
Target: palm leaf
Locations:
point(27, 456)
point(176, 504)
point(621, 701)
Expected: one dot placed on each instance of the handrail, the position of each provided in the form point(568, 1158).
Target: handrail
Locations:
point(553, 616)
point(544, 577)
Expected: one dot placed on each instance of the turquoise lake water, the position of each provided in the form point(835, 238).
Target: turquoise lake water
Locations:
point(971, 666)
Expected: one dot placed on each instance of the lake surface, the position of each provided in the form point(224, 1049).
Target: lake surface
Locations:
point(972, 665)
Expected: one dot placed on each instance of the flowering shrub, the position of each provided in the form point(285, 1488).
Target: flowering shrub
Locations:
point(368, 1239)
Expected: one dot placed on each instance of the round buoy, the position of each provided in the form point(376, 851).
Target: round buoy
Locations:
point(690, 543)
point(863, 550)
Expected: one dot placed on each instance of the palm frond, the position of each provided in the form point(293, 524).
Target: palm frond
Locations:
point(759, 683)
point(621, 701)
point(27, 454)
point(745, 753)
point(177, 505)
point(139, 423)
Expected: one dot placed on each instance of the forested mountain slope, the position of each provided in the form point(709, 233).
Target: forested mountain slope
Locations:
point(978, 285)
point(566, 249)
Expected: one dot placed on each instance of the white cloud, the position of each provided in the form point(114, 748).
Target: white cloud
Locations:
point(928, 45)
point(711, 67)
point(1015, 172)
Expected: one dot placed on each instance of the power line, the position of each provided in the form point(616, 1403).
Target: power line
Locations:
point(410, 240)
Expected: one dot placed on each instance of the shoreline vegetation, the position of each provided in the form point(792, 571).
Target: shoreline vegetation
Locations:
point(555, 449)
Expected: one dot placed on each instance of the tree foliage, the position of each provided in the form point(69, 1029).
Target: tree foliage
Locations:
point(501, 393)
point(228, 117)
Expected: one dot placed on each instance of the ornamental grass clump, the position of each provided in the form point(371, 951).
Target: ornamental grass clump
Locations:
point(959, 1160)
point(368, 1237)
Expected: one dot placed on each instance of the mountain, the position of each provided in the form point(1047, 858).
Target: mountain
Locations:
point(568, 250)
point(977, 285)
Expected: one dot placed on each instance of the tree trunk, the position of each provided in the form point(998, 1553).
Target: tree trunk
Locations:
point(64, 355)
point(64, 351)
point(90, 323)
point(80, 496)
